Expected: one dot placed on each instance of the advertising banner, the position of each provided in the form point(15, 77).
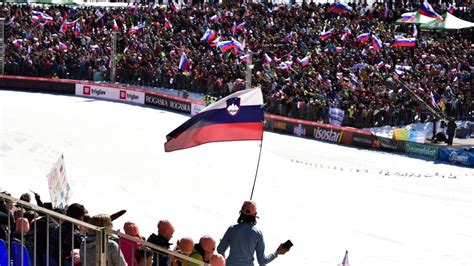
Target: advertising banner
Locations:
point(327, 134)
point(196, 108)
point(457, 156)
point(158, 101)
point(416, 136)
point(299, 130)
point(422, 149)
point(400, 134)
point(387, 144)
point(59, 188)
point(360, 140)
point(116, 94)
point(336, 116)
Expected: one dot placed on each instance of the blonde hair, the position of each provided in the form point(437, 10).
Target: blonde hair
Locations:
point(100, 220)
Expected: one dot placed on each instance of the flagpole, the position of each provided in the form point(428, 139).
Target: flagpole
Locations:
point(258, 164)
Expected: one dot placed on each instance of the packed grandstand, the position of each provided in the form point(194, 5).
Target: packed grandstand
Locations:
point(306, 57)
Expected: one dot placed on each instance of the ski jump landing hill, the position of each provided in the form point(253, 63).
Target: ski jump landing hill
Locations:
point(300, 128)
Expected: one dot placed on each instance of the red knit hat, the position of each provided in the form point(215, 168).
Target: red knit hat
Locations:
point(249, 208)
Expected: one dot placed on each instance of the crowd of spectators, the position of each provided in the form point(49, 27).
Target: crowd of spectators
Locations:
point(348, 74)
point(73, 244)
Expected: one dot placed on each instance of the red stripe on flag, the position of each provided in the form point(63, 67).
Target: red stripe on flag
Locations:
point(215, 133)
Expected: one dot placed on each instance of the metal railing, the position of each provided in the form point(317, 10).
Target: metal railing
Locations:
point(35, 245)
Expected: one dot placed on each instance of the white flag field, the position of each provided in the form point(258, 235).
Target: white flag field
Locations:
point(59, 188)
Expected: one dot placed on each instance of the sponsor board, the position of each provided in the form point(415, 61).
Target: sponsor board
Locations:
point(299, 130)
point(196, 108)
point(387, 144)
point(421, 149)
point(327, 134)
point(156, 100)
point(459, 156)
point(362, 140)
point(279, 125)
point(110, 93)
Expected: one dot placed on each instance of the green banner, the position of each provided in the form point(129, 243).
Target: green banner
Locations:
point(421, 149)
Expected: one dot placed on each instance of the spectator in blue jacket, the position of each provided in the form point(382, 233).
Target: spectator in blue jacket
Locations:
point(245, 239)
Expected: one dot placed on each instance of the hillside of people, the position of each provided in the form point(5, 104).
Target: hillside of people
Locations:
point(306, 58)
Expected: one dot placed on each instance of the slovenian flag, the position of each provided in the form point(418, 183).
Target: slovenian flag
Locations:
point(215, 18)
point(174, 6)
point(376, 43)
point(168, 23)
point(241, 26)
point(115, 26)
point(184, 63)
point(347, 33)
point(325, 35)
point(288, 38)
point(409, 17)
point(340, 8)
point(239, 47)
point(215, 42)
point(451, 8)
point(234, 29)
point(427, 10)
point(18, 42)
point(304, 61)
point(364, 37)
point(238, 116)
point(66, 25)
point(208, 36)
point(226, 46)
point(415, 31)
point(244, 58)
point(267, 59)
point(404, 42)
point(283, 67)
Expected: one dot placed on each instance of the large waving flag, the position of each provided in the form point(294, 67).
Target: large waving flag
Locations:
point(404, 42)
point(184, 63)
point(427, 10)
point(238, 116)
point(340, 8)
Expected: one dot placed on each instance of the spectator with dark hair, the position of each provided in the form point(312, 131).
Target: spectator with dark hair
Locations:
point(144, 257)
point(165, 233)
point(6, 207)
point(68, 234)
point(244, 239)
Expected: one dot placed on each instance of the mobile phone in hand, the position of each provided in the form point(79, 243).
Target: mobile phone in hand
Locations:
point(287, 244)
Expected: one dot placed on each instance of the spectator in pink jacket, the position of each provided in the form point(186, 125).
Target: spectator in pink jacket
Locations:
point(127, 246)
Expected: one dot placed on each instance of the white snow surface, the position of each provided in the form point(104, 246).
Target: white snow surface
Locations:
point(324, 197)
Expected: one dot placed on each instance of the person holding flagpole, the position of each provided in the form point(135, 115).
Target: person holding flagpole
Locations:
point(244, 239)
